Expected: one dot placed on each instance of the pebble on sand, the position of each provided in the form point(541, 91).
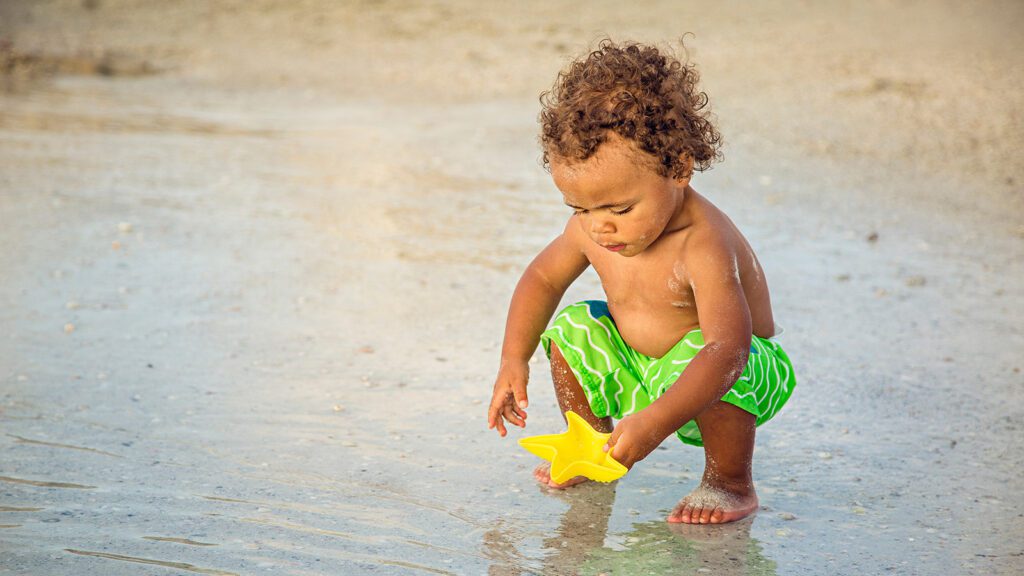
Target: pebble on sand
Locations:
point(69, 328)
point(124, 227)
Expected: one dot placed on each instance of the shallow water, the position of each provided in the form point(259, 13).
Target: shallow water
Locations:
point(253, 330)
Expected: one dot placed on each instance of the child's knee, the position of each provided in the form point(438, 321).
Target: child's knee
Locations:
point(723, 416)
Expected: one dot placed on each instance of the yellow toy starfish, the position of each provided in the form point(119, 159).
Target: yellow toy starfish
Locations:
point(576, 452)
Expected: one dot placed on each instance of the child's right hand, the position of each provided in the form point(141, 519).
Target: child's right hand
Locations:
point(509, 399)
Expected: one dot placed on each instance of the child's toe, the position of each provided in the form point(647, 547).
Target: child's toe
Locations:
point(542, 474)
point(694, 516)
point(687, 514)
point(716, 516)
point(699, 515)
point(676, 515)
point(705, 515)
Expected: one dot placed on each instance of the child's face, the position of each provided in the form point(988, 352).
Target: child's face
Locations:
point(620, 201)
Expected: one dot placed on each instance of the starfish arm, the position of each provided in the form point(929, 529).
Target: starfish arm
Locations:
point(576, 452)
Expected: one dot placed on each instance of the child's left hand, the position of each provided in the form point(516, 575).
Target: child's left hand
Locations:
point(633, 438)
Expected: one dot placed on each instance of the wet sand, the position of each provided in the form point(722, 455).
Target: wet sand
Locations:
point(258, 256)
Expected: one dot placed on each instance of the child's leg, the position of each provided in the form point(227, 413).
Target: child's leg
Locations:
point(570, 394)
point(726, 492)
point(570, 397)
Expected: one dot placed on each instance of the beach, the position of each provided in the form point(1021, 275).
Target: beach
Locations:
point(258, 258)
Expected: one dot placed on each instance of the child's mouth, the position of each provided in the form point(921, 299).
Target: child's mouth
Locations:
point(615, 247)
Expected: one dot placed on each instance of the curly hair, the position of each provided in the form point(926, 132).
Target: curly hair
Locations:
point(640, 94)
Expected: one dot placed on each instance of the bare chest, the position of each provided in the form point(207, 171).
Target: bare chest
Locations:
point(649, 298)
point(662, 286)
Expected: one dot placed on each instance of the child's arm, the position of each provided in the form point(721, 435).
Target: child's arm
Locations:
point(533, 303)
point(726, 326)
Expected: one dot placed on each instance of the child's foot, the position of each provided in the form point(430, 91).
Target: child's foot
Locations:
point(543, 475)
point(710, 504)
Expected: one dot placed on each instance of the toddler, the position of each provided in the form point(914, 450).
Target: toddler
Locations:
point(682, 344)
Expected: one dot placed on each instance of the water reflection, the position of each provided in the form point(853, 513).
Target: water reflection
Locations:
point(582, 544)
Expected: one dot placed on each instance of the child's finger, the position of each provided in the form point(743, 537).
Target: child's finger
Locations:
point(519, 392)
point(612, 440)
point(498, 403)
point(519, 411)
point(512, 417)
point(492, 414)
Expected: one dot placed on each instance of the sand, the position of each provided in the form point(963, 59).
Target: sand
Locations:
point(257, 258)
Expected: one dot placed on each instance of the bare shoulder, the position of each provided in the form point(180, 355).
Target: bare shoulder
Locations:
point(718, 256)
point(712, 241)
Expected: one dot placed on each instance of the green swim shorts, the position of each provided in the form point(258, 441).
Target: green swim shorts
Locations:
point(619, 381)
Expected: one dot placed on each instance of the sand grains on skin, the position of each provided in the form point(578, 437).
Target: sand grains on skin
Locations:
point(712, 505)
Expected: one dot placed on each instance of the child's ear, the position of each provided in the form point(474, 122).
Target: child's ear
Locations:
point(687, 162)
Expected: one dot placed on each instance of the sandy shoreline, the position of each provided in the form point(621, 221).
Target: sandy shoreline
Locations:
point(257, 261)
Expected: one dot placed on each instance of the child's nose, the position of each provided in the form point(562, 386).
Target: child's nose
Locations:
point(601, 226)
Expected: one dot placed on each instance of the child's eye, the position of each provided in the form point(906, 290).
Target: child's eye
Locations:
point(578, 211)
point(623, 211)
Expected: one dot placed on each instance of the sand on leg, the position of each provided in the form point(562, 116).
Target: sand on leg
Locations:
point(570, 397)
point(726, 492)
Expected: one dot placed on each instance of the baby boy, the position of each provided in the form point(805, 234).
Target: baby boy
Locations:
point(683, 343)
